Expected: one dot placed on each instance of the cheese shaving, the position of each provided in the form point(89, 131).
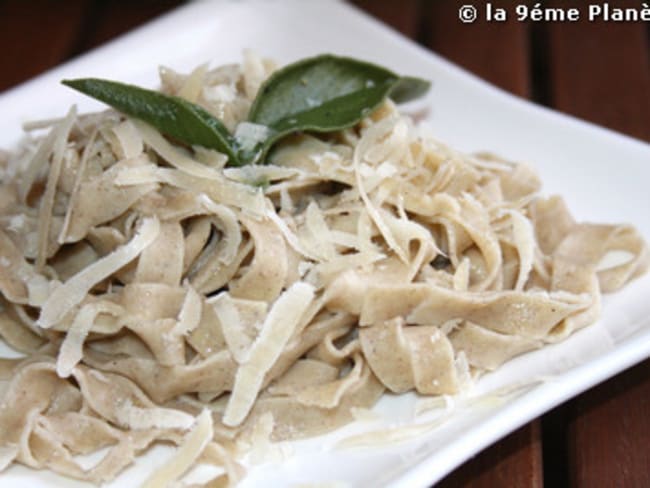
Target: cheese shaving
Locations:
point(72, 292)
point(189, 317)
point(71, 350)
point(188, 453)
point(276, 331)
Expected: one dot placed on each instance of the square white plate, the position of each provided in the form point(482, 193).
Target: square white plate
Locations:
point(603, 176)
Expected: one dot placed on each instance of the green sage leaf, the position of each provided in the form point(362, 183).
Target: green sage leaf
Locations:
point(173, 116)
point(313, 93)
point(322, 94)
point(325, 93)
point(409, 88)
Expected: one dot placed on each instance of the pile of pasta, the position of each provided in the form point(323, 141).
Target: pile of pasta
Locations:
point(156, 295)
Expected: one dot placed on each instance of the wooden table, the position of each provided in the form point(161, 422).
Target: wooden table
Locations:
point(599, 71)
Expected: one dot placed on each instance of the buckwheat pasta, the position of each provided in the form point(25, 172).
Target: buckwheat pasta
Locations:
point(156, 295)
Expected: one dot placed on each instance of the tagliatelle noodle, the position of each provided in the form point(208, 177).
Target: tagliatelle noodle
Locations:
point(159, 297)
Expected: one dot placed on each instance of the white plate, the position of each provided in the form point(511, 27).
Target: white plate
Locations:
point(603, 176)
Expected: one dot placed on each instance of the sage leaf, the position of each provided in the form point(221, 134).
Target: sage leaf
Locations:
point(409, 88)
point(325, 93)
point(322, 94)
point(173, 116)
point(312, 93)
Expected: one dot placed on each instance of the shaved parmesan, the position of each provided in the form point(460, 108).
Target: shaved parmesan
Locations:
point(250, 135)
point(239, 342)
point(188, 453)
point(71, 350)
point(72, 292)
point(276, 331)
point(190, 314)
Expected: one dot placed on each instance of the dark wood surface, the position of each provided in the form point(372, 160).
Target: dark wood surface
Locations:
point(599, 71)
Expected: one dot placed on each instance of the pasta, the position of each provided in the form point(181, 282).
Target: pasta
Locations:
point(156, 295)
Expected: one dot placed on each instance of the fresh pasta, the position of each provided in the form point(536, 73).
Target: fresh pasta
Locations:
point(156, 295)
